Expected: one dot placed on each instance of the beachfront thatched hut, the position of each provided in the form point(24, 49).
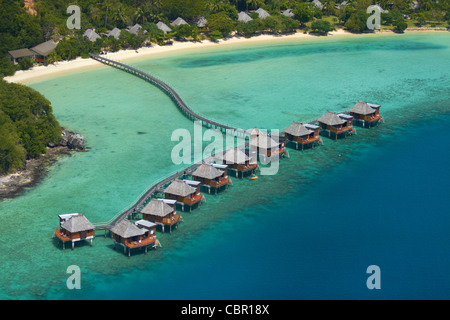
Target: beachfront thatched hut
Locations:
point(162, 212)
point(339, 124)
point(114, 32)
point(201, 21)
point(135, 29)
point(16, 55)
point(74, 227)
point(178, 22)
point(130, 236)
point(262, 13)
point(162, 26)
point(185, 192)
point(91, 35)
point(305, 135)
point(211, 176)
point(288, 13)
point(366, 113)
point(42, 50)
point(244, 17)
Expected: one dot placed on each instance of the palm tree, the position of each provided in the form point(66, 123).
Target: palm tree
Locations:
point(140, 15)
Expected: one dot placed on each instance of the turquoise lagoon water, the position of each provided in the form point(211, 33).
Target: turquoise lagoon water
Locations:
point(311, 231)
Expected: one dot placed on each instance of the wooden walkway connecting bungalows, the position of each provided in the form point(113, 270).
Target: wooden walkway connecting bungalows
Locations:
point(182, 106)
point(266, 144)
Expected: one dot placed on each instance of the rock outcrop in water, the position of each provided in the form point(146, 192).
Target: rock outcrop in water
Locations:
point(71, 140)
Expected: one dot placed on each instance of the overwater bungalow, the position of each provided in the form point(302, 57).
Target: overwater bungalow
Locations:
point(162, 212)
point(130, 236)
point(212, 176)
point(74, 227)
point(366, 113)
point(266, 145)
point(184, 192)
point(163, 27)
point(244, 17)
point(305, 135)
point(339, 124)
point(239, 161)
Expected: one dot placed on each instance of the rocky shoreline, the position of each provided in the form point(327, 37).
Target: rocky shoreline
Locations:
point(34, 170)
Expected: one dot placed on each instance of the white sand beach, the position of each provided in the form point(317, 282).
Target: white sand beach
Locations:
point(39, 72)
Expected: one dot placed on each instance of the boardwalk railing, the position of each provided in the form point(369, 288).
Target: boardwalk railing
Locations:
point(181, 105)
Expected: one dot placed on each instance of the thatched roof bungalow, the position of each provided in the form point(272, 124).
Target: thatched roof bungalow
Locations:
point(74, 227)
point(185, 192)
point(161, 212)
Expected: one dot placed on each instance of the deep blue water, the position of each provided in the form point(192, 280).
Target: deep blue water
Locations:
point(387, 207)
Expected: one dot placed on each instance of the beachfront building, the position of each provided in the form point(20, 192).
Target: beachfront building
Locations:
point(185, 193)
point(338, 124)
point(212, 176)
point(91, 35)
point(265, 145)
point(42, 50)
point(239, 161)
point(318, 4)
point(162, 212)
point(305, 135)
point(135, 29)
point(201, 21)
point(178, 22)
point(16, 55)
point(130, 236)
point(366, 114)
point(244, 17)
point(74, 227)
point(114, 33)
point(262, 13)
point(163, 27)
point(288, 13)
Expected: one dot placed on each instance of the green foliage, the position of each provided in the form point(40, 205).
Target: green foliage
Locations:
point(27, 125)
point(400, 25)
point(321, 27)
point(221, 22)
point(357, 21)
point(26, 63)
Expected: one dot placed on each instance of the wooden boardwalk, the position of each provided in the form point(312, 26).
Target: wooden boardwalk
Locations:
point(161, 184)
point(181, 105)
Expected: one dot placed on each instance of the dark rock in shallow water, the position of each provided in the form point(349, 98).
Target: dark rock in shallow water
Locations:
point(71, 140)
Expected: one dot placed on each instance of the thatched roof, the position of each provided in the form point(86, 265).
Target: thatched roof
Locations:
point(162, 26)
point(45, 48)
point(318, 4)
point(288, 13)
point(91, 35)
point(262, 13)
point(135, 29)
point(201, 21)
point(331, 119)
point(297, 129)
point(180, 188)
point(114, 32)
point(362, 107)
point(21, 53)
point(263, 141)
point(157, 207)
point(77, 223)
point(242, 16)
point(178, 22)
point(126, 229)
point(234, 155)
point(207, 171)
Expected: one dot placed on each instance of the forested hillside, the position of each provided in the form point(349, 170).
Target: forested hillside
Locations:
point(27, 124)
